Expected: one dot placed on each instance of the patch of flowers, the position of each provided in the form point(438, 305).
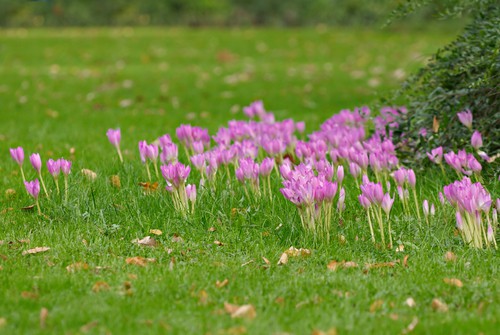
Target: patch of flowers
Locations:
point(316, 172)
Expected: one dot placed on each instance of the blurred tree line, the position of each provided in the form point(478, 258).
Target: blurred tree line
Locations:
point(18, 13)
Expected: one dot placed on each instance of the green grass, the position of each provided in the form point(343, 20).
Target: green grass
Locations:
point(61, 90)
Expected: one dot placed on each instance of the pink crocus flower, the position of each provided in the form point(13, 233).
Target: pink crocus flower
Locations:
point(387, 203)
point(33, 189)
point(436, 155)
point(65, 166)
point(425, 207)
point(54, 167)
point(36, 162)
point(412, 179)
point(266, 166)
point(114, 137)
point(476, 140)
point(465, 118)
point(17, 155)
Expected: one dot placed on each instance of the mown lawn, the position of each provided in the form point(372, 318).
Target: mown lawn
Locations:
point(60, 90)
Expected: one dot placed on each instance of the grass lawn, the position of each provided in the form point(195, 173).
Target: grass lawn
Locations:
point(60, 90)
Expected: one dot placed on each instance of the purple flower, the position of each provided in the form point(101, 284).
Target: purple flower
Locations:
point(425, 207)
point(152, 152)
point(114, 136)
point(436, 155)
point(54, 167)
point(175, 173)
point(17, 155)
point(340, 173)
point(387, 202)
point(143, 150)
point(169, 153)
point(412, 179)
point(476, 140)
point(33, 188)
point(191, 192)
point(36, 162)
point(65, 166)
point(300, 126)
point(266, 166)
point(458, 217)
point(465, 118)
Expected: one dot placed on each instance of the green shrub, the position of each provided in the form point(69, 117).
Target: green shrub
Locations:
point(463, 75)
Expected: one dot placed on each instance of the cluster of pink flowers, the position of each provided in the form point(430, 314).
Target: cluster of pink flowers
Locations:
point(473, 203)
point(53, 167)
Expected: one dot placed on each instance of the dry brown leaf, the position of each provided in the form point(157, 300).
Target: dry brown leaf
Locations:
point(132, 276)
point(3, 322)
point(246, 263)
point(4, 211)
point(394, 316)
point(115, 181)
point(439, 305)
point(450, 256)
point(100, 286)
point(146, 241)
point(332, 331)
point(29, 295)
point(29, 208)
point(203, 297)
point(219, 243)
point(435, 124)
point(400, 248)
point(243, 311)
point(44, 313)
point(35, 250)
point(410, 302)
point(77, 267)
point(453, 282)
point(221, 284)
point(89, 326)
point(380, 265)
point(405, 261)
point(177, 239)
point(266, 261)
point(24, 241)
point(171, 264)
point(139, 261)
point(1, 268)
point(149, 187)
point(279, 300)
point(10, 192)
point(157, 232)
point(211, 229)
point(334, 265)
point(376, 305)
point(294, 252)
point(89, 174)
point(411, 326)
point(283, 259)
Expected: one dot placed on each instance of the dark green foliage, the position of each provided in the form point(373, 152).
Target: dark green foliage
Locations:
point(463, 75)
point(194, 12)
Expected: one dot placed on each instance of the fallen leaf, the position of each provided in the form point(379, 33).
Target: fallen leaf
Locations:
point(410, 302)
point(394, 316)
point(127, 288)
point(266, 261)
point(3, 322)
point(89, 174)
point(294, 252)
point(4, 211)
point(411, 326)
point(219, 243)
point(405, 261)
point(157, 232)
point(435, 124)
point(246, 263)
point(171, 264)
point(450, 256)
point(149, 187)
point(146, 241)
point(203, 297)
point(77, 267)
point(334, 265)
point(439, 305)
point(24, 241)
point(35, 250)
point(453, 282)
point(139, 261)
point(283, 259)
point(400, 248)
point(29, 295)
point(177, 239)
point(44, 313)
point(211, 229)
point(380, 265)
point(29, 208)
point(243, 311)
point(10, 192)
point(376, 305)
point(100, 286)
point(332, 331)
point(221, 284)
point(132, 276)
point(279, 300)
point(115, 181)
point(89, 326)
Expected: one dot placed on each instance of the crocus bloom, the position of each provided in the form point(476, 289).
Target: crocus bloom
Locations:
point(340, 174)
point(476, 140)
point(54, 167)
point(387, 203)
point(114, 137)
point(33, 188)
point(266, 166)
point(191, 192)
point(412, 179)
point(465, 118)
point(17, 155)
point(425, 207)
point(36, 162)
point(65, 166)
point(436, 155)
